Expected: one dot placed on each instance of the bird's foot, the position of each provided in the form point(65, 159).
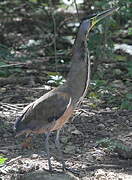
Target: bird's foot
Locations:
point(50, 169)
point(72, 170)
point(65, 168)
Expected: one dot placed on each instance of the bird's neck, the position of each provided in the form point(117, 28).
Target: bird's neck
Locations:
point(79, 74)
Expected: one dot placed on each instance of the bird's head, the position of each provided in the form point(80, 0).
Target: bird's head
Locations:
point(89, 22)
point(94, 19)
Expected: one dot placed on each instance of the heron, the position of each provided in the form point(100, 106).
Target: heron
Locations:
point(52, 110)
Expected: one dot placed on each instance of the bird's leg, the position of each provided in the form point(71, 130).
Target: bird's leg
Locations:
point(57, 143)
point(47, 150)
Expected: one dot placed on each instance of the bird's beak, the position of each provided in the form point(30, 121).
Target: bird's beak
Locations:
point(97, 17)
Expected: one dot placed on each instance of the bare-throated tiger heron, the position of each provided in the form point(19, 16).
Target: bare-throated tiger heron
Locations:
point(52, 110)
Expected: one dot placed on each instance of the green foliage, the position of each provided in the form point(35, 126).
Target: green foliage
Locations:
point(27, 33)
point(129, 68)
point(127, 102)
point(2, 159)
point(107, 143)
point(6, 71)
point(55, 78)
point(130, 31)
point(112, 144)
point(33, 1)
point(5, 53)
point(100, 43)
point(103, 94)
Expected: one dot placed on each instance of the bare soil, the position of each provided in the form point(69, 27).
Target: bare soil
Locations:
point(96, 143)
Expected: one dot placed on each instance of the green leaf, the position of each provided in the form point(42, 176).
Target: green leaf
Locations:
point(129, 96)
point(33, 1)
point(2, 160)
point(120, 58)
point(2, 63)
point(126, 104)
point(129, 31)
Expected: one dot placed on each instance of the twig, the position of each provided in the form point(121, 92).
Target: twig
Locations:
point(84, 111)
point(3, 170)
point(13, 160)
point(54, 25)
point(8, 147)
point(10, 65)
point(8, 106)
point(77, 9)
point(75, 116)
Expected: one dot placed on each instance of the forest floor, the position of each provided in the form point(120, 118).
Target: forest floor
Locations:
point(97, 144)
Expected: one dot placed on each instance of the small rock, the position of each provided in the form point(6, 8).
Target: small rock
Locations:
point(37, 167)
point(13, 170)
point(127, 122)
point(20, 161)
point(107, 109)
point(84, 166)
point(89, 157)
point(120, 178)
point(111, 175)
point(100, 174)
point(100, 126)
point(3, 151)
point(77, 132)
point(78, 150)
point(69, 149)
point(2, 90)
point(5, 135)
point(118, 84)
point(34, 156)
point(65, 139)
point(117, 71)
point(130, 124)
point(71, 128)
point(110, 120)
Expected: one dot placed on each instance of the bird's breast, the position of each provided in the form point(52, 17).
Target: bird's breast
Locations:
point(63, 119)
